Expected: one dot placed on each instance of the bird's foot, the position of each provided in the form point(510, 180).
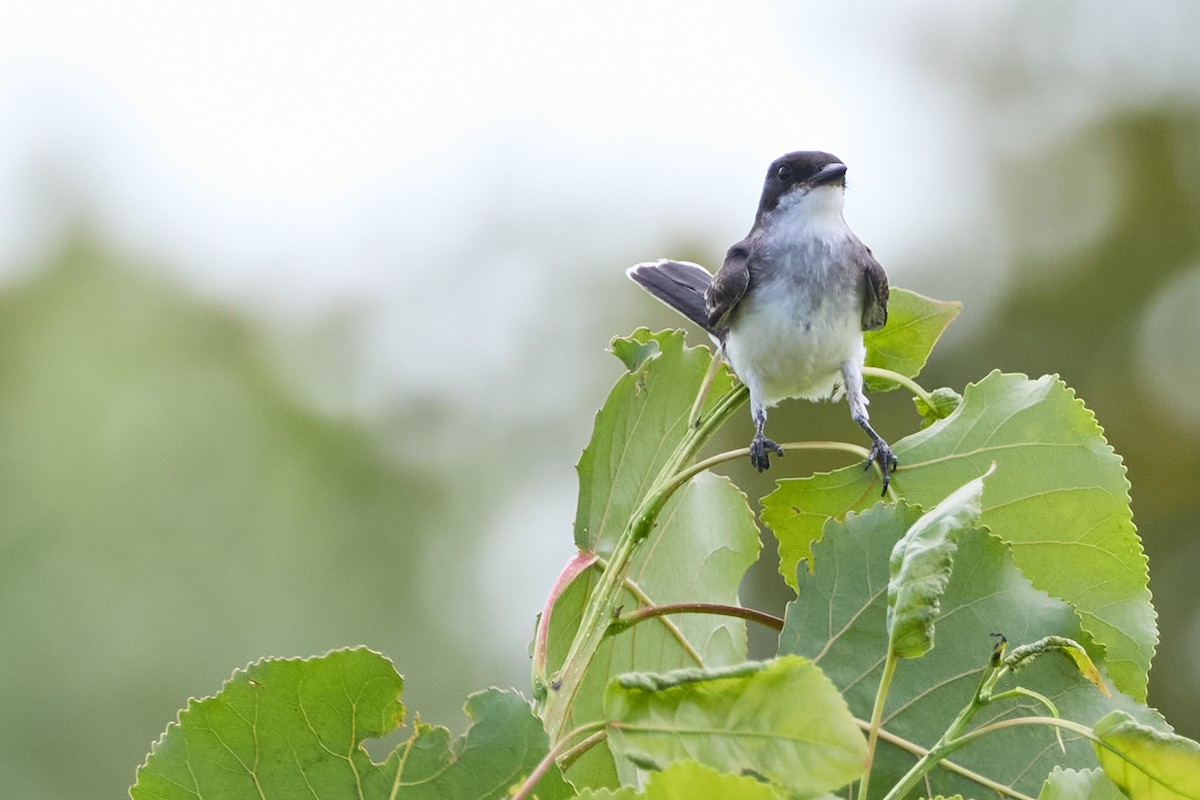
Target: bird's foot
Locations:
point(758, 452)
point(883, 456)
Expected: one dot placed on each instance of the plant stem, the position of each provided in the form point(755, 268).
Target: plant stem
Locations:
point(649, 612)
point(948, 744)
point(885, 682)
point(1056, 722)
point(896, 377)
point(572, 754)
point(602, 604)
point(714, 366)
point(1021, 691)
point(577, 564)
point(923, 765)
point(945, 763)
point(950, 741)
point(672, 629)
point(729, 455)
point(551, 757)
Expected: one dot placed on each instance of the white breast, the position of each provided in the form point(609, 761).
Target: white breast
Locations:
point(780, 353)
point(791, 334)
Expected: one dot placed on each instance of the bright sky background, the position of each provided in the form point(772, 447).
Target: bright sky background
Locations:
point(301, 152)
point(290, 137)
point(308, 160)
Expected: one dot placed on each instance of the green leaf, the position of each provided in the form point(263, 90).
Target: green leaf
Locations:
point(499, 750)
point(281, 728)
point(637, 430)
point(839, 621)
point(915, 323)
point(635, 350)
point(1147, 763)
point(920, 568)
point(623, 793)
point(1084, 784)
point(284, 728)
point(796, 512)
point(781, 719)
point(705, 540)
point(1059, 497)
point(688, 780)
point(942, 403)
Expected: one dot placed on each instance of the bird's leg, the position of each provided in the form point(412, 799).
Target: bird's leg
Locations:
point(760, 444)
point(880, 454)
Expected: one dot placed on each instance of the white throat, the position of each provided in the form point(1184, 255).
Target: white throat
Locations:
point(816, 213)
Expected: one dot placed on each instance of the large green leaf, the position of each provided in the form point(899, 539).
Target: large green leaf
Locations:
point(781, 719)
point(839, 620)
point(286, 728)
point(1148, 764)
point(688, 780)
point(637, 430)
point(705, 541)
point(920, 569)
point(915, 323)
point(1059, 497)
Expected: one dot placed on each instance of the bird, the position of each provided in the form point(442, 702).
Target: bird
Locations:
point(788, 308)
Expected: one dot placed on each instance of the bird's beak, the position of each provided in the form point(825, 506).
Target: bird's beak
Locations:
point(830, 173)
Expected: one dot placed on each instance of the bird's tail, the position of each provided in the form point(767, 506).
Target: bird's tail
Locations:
point(679, 284)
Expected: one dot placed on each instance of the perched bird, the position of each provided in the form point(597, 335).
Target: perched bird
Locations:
point(789, 306)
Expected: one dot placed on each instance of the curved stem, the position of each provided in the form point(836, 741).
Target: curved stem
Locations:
point(649, 612)
point(729, 455)
point(576, 565)
point(551, 757)
point(896, 377)
point(1065, 724)
point(1021, 691)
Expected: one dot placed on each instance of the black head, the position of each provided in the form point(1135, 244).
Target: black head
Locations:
point(802, 171)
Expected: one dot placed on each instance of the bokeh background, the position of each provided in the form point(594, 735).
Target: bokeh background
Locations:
point(304, 308)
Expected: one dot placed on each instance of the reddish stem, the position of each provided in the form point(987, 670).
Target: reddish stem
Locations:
point(578, 563)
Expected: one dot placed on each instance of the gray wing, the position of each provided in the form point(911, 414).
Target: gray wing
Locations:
point(875, 292)
point(679, 284)
point(728, 286)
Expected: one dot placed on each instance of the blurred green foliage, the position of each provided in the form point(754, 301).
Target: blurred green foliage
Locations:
point(169, 515)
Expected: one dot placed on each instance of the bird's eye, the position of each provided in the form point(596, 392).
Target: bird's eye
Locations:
point(784, 174)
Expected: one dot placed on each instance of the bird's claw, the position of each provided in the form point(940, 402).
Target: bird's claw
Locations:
point(882, 455)
point(758, 452)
